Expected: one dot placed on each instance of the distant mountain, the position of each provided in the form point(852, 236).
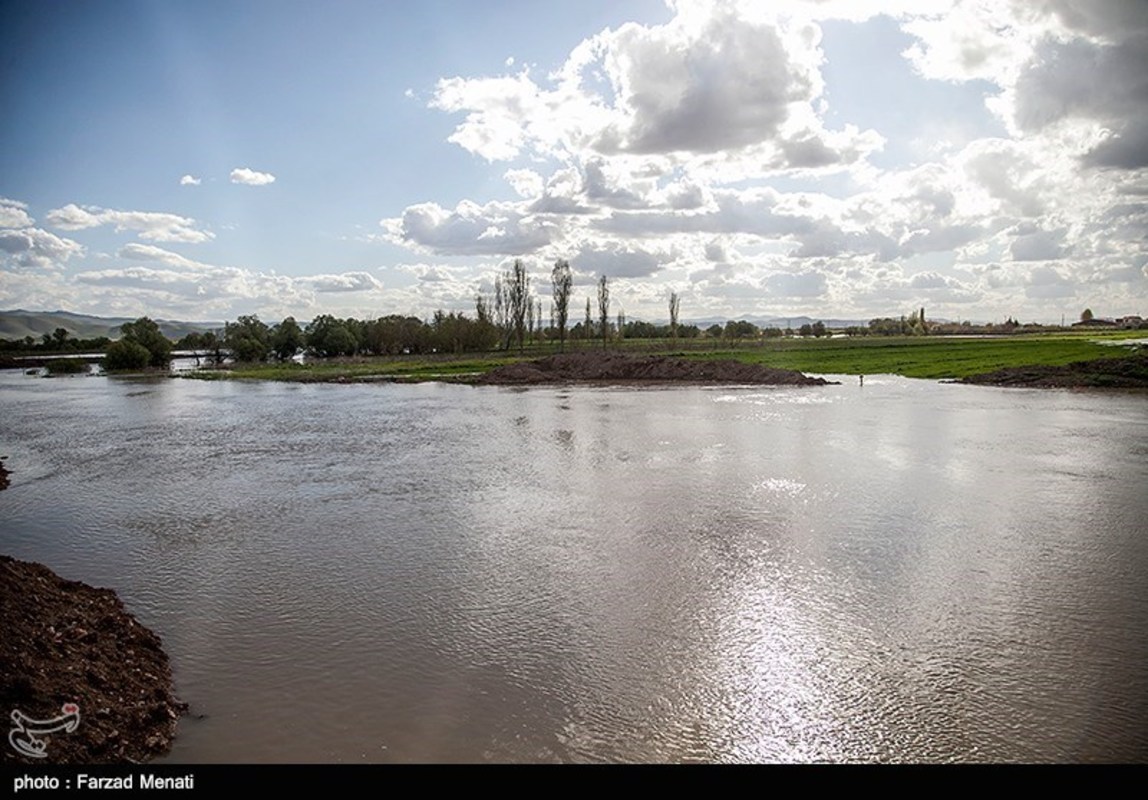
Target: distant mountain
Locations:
point(19, 323)
point(780, 322)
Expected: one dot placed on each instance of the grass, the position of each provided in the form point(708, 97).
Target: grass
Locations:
point(913, 357)
point(396, 368)
point(923, 357)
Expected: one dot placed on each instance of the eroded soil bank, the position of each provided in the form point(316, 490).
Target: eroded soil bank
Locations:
point(1130, 372)
point(616, 367)
point(71, 650)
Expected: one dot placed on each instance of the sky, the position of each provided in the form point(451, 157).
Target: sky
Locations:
point(200, 159)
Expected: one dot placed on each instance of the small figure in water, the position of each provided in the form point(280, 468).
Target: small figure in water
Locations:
point(862, 377)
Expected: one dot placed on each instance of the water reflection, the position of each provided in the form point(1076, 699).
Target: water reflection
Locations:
point(416, 573)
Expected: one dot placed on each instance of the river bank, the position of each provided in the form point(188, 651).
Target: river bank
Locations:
point(73, 654)
point(1128, 372)
point(606, 367)
point(930, 357)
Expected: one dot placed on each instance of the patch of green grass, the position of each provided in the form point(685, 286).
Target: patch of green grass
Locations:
point(921, 357)
point(381, 368)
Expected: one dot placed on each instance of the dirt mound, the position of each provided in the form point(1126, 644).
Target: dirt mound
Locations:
point(1130, 372)
point(72, 653)
point(617, 367)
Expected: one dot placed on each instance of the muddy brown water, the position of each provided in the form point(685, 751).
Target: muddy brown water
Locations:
point(905, 571)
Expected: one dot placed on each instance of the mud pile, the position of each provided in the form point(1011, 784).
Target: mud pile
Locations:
point(73, 658)
point(620, 368)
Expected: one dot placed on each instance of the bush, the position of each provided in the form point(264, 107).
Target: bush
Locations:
point(66, 366)
point(126, 355)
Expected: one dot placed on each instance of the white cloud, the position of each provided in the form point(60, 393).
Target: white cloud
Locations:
point(147, 252)
point(617, 261)
point(189, 180)
point(720, 79)
point(152, 226)
point(343, 282)
point(35, 248)
point(1037, 245)
point(249, 177)
point(14, 214)
point(526, 182)
point(470, 229)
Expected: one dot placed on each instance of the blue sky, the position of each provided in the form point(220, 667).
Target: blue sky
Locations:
point(201, 160)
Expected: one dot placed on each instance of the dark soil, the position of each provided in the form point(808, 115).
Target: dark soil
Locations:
point(1130, 372)
point(65, 642)
point(620, 368)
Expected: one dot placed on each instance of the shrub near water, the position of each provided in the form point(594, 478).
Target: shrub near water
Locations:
point(67, 366)
point(126, 355)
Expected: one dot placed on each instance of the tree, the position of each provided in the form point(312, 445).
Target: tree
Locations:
point(147, 334)
point(562, 280)
point(60, 335)
point(675, 302)
point(604, 307)
point(518, 297)
point(287, 339)
point(211, 342)
point(248, 339)
point(1086, 315)
point(819, 329)
point(328, 337)
point(588, 325)
point(126, 355)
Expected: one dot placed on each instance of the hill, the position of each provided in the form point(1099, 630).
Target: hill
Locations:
point(19, 323)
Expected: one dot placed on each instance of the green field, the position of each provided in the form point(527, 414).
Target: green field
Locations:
point(914, 357)
point(926, 357)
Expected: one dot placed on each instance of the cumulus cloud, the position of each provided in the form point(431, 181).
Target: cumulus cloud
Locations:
point(718, 78)
point(158, 278)
point(32, 247)
point(189, 180)
point(14, 214)
point(249, 177)
point(1037, 245)
point(147, 252)
point(616, 261)
point(150, 225)
point(342, 282)
point(526, 182)
point(470, 229)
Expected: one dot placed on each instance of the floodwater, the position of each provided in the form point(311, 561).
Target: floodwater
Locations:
point(905, 571)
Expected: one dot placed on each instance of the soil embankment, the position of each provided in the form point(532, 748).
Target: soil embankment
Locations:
point(1130, 372)
point(619, 368)
point(74, 652)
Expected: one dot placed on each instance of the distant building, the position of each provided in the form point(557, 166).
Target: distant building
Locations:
point(1132, 321)
point(1096, 323)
